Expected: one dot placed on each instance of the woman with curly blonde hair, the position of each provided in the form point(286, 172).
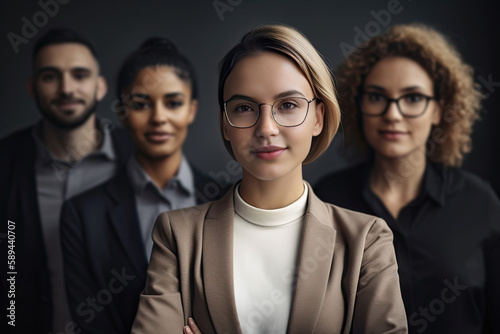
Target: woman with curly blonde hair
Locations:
point(410, 102)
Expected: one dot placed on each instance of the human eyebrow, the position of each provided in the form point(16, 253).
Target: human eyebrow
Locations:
point(375, 87)
point(81, 69)
point(242, 97)
point(292, 92)
point(47, 69)
point(139, 96)
point(174, 94)
point(412, 88)
point(382, 89)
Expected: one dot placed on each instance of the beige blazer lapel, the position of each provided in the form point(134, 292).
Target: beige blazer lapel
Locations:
point(312, 276)
point(314, 265)
point(218, 265)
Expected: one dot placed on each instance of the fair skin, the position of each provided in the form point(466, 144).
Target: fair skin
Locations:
point(191, 328)
point(158, 117)
point(270, 180)
point(399, 142)
point(66, 86)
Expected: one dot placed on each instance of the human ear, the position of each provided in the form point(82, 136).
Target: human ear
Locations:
point(193, 108)
point(102, 88)
point(122, 112)
point(224, 127)
point(320, 118)
point(437, 114)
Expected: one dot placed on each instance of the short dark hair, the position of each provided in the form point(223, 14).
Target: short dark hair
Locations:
point(63, 35)
point(155, 51)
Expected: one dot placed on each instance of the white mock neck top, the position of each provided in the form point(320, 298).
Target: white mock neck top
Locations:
point(266, 246)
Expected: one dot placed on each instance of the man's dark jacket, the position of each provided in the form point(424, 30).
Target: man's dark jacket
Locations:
point(19, 204)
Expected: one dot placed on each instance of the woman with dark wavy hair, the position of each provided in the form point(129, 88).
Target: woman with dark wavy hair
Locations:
point(410, 102)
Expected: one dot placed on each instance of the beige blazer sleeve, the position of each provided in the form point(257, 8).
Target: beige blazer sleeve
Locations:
point(160, 305)
point(379, 307)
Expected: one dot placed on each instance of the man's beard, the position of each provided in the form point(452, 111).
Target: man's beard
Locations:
point(67, 125)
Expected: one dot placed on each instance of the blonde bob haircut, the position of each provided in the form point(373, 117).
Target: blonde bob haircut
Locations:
point(289, 42)
point(454, 88)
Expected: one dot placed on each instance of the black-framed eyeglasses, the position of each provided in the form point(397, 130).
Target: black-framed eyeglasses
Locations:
point(288, 111)
point(409, 105)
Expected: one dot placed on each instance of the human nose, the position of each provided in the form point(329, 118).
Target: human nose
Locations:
point(67, 85)
point(159, 114)
point(393, 113)
point(266, 125)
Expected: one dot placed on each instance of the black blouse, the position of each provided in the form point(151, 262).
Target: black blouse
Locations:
point(447, 244)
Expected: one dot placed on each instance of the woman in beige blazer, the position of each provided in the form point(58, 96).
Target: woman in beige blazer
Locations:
point(270, 257)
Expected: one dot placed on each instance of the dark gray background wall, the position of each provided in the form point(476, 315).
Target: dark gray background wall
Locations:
point(117, 27)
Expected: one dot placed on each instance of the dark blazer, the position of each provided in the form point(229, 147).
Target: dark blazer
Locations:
point(19, 203)
point(353, 288)
point(104, 255)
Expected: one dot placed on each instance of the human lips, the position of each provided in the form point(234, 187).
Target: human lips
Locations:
point(268, 152)
point(68, 103)
point(158, 136)
point(392, 134)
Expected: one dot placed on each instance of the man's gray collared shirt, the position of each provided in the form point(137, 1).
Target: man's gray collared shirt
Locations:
point(57, 181)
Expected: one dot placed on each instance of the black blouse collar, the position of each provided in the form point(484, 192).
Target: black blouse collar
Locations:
point(434, 184)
